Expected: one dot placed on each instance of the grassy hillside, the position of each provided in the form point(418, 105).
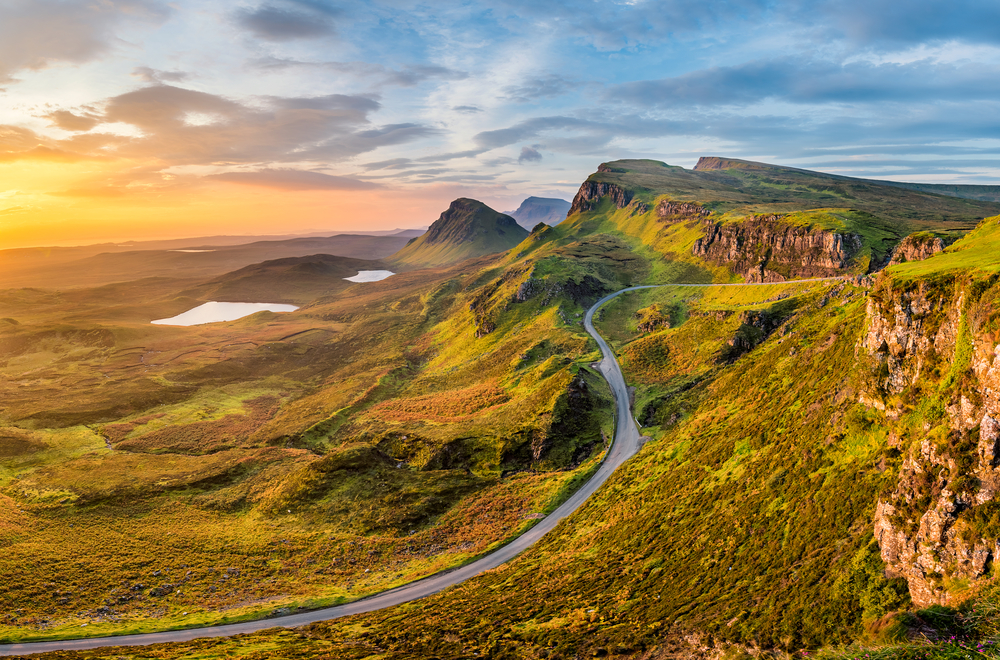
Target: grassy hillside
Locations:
point(380, 433)
point(398, 427)
point(467, 229)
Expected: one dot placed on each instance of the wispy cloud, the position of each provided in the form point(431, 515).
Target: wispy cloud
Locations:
point(35, 34)
point(288, 20)
point(290, 179)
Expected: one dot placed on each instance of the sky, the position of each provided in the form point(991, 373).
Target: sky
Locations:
point(141, 119)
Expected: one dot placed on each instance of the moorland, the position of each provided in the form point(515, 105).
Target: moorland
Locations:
point(820, 468)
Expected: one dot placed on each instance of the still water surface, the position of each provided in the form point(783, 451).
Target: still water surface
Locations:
point(213, 312)
point(370, 276)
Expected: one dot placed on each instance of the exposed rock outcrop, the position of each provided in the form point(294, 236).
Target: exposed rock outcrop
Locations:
point(927, 526)
point(905, 330)
point(671, 212)
point(764, 248)
point(591, 192)
point(916, 247)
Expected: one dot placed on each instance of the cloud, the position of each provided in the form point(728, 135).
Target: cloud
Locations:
point(548, 86)
point(572, 133)
point(792, 80)
point(529, 155)
point(875, 24)
point(146, 74)
point(881, 22)
point(290, 179)
point(375, 74)
point(35, 34)
point(21, 144)
point(41, 153)
point(467, 109)
point(391, 164)
point(68, 121)
point(452, 155)
point(181, 126)
point(290, 20)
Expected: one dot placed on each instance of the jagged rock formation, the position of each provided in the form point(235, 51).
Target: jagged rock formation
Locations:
point(916, 247)
point(766, 249)
point(930, 528)
point(467, 229)
point(591, 192)
point(671, 212)
point(534, 210)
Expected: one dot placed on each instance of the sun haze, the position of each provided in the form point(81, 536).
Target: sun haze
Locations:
point(148, 119)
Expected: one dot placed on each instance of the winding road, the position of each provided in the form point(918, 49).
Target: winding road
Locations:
point(626, 443)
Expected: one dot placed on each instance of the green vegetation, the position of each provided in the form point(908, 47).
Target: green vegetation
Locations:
point(390, 430)
point(467, 229)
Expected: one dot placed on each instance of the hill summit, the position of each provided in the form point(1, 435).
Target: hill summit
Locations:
point(550, 210)
point(467, 229)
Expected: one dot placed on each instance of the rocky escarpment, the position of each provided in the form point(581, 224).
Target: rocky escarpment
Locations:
point(764, 248)
point(670, 212)
point(591, 192)
point(916, 247)
point(932, 348)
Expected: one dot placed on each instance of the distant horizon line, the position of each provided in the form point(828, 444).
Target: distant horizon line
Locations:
point(181, 240)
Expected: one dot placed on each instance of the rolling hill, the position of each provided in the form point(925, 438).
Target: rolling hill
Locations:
point(62, 268)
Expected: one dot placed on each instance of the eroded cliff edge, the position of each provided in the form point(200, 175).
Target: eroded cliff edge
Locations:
point(935, 372)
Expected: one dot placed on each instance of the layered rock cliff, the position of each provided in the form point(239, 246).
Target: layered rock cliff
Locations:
point(591, 192)
point(936, 369)
point(764, 248)
point(670, 212)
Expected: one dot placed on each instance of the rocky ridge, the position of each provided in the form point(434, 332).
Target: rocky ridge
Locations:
point(764, 248)
point(591, 192)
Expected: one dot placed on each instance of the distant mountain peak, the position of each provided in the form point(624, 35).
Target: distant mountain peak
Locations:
point(550, 210)
point(467, 229)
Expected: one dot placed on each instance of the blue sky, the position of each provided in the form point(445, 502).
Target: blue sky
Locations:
point(420, 101)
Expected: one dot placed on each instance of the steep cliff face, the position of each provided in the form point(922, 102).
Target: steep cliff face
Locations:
point(916, 247)
point(933, 348)
point(764, 248)
point(591, 192)
point(671, 212)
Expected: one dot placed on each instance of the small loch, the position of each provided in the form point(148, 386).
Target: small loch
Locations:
point(214, 312)
point(370, 276)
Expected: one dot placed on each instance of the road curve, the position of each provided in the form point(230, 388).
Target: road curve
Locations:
point(626, 443)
